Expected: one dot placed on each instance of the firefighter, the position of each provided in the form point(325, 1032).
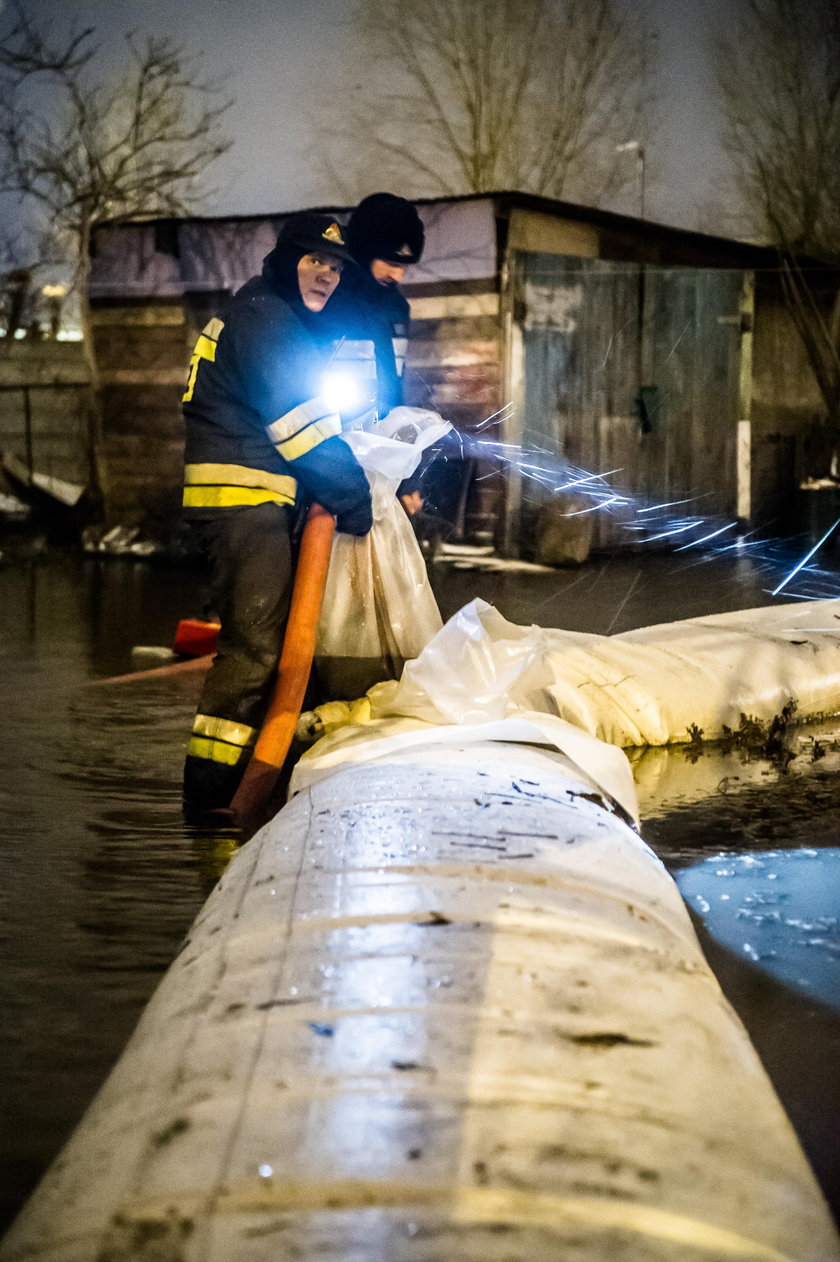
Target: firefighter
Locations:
point(386, 236)
point(260, 437)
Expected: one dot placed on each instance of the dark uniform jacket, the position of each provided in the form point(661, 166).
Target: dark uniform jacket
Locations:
point(371, 324)
point(256, 424)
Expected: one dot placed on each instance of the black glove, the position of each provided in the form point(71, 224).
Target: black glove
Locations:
point(356, 520)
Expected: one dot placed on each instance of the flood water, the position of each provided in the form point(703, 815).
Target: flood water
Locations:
point(101, 877)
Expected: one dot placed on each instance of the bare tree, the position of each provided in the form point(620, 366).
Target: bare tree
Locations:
point(779, 81)
point(86, 149)
point(470, 96)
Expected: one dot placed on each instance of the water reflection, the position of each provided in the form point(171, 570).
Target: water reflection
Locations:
point(778, 908)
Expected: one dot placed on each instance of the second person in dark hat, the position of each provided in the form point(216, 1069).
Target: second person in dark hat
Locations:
point(386, 237)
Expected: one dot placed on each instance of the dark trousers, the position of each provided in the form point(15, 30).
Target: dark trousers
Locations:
point(250, 554)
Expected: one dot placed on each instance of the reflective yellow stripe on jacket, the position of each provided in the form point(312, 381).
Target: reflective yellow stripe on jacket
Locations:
point(235, 486)
point(303, 428)
point(220, 740)
point(205, 348)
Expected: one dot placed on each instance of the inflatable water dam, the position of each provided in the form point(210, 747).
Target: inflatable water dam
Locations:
point(447, 1006)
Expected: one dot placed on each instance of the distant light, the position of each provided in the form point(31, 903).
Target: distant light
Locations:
point(54, 291)
point(266, 1172)
point(341, 391)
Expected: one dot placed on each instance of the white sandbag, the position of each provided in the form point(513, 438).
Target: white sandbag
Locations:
point(650, 687)
point(378, 609)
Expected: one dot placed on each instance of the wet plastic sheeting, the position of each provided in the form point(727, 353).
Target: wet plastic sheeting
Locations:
point(654, 686)
point(436, 1010)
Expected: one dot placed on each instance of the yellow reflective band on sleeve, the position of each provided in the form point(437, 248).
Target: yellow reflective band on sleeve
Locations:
point(205, 348)
point(235, 486)
point(224, 730)
point(299, 444)
point(220, 740)
point(298, 418)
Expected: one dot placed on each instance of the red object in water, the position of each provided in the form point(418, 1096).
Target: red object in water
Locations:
point(194, 638)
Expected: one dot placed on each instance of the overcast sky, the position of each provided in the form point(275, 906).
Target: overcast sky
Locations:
point(275, 51)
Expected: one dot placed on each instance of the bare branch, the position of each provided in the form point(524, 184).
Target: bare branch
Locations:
point(779, 83)
point(483, 95)
point(89, 150)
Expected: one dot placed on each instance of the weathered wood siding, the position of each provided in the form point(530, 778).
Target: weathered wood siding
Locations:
point(790, 438)
point(592, 334)
point(454, 368)
point(44, 407)
point(142, 350)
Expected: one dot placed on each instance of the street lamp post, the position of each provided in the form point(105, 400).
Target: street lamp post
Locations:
point(636, 146)
point(54, 295)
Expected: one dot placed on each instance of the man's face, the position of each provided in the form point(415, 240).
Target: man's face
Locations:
point(385, 273)
point(318, 275)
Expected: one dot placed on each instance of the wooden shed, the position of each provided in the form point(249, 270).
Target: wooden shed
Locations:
point(658, 364)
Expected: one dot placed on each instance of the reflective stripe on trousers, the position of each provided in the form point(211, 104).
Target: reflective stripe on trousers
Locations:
point(251, 578)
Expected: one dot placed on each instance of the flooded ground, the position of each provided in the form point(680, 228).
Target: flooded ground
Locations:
point(101, 877)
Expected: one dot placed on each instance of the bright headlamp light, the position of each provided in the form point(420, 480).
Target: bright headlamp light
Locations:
point(342, 391)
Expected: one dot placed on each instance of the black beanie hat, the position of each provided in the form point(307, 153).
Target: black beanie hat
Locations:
point(384, 226)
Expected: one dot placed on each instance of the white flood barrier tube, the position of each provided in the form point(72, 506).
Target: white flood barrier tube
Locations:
point(655, 686)
point(446, 1007)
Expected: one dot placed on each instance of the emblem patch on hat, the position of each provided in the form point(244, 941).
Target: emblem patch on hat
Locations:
point(405, 251)
point(333, 233)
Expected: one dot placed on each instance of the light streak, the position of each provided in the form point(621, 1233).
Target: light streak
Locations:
point(630, 591)
point(548, 474)
point(670, 504)
point(589, 477)
point(676, 344)
point(616, 499)
point(806, 558)
point(508, 407)
point(705, 538)
point(666, 534)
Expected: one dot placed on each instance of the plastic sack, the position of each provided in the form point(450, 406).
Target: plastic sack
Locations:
point(379, 610)
point(655, 686)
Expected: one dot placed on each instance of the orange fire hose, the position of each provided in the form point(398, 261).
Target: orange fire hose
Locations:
point(250, 803)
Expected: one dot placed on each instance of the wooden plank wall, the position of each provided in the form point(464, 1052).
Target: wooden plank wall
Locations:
point(53, 378)
point(142, 348)
point(594, 332)
point(454, 367)
point(786, 402)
